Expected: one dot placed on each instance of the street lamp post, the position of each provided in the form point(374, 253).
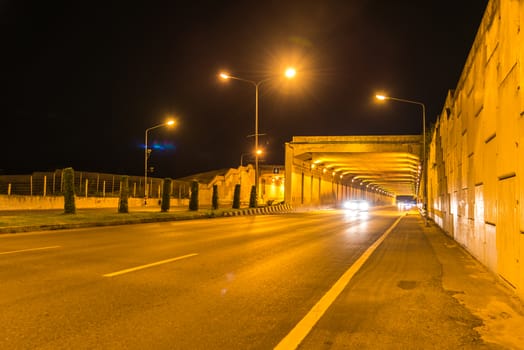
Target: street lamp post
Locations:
point(289, 73)
point(424, 160)
point(146, 154)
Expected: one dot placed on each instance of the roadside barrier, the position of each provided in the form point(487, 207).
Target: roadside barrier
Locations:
point(273, 209)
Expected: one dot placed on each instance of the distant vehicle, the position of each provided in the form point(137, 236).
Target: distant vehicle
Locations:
point(356, 205)
point(406, 202)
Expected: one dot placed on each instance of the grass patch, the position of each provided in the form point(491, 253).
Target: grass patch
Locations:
point(55, 219)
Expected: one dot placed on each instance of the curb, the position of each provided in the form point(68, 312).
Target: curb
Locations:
point(273, 209)
point(52, 227)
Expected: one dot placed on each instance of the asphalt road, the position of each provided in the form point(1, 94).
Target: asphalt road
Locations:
point(228, 283)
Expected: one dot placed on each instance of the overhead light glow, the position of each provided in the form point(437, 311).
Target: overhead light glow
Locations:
point(290, 72)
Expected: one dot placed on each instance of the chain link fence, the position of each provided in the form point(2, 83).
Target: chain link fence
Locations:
point(87, 184)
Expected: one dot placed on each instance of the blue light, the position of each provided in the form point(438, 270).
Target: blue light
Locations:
point(165, 146)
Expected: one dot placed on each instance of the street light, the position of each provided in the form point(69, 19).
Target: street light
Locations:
point(259, 152)
point(289, 73)
point(424, 160)
point(170, 122)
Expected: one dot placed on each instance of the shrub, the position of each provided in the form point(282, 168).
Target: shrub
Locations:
point(193, 201)
point(236, 197)
point(215, 197)
point(123, 204)
point(69, 191)
point(253, 197)
point(166, 198)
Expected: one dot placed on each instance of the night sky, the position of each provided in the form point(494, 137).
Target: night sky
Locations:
point(82, 80)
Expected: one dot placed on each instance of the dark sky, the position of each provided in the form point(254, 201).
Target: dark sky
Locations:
point(83, 80)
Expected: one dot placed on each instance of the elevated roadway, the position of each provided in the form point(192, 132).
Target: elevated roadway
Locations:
point(324, 170)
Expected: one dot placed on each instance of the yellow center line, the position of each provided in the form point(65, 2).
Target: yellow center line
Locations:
point(302, 329)
point(141, 267)
point(29, 250)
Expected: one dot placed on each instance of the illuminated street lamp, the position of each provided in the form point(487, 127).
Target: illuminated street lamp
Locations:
point(424, 160)
point(289, 73)
point(170, 122)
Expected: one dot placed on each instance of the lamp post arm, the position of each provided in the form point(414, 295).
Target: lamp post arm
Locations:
point(404, 100)
point(155, 127)
point(255, 83)
point(241, 79)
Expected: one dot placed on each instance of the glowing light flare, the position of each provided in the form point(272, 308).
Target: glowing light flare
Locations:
point(163, 146)
point(290, 72)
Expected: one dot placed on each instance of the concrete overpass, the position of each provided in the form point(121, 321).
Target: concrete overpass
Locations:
point(325, 170)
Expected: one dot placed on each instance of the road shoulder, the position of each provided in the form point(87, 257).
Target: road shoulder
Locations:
point(480, 291)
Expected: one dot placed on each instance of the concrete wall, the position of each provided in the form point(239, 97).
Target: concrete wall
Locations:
point(476, 156)
point(15, 202)
point(243, 175)
point(271, 189)
point(271, 186)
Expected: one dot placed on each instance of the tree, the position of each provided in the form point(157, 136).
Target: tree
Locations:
point(166, 198)
point(69, 191)
point(215, 197)
point(193, 201)
point(253, 197)
point(236, 197)
point(123, 205)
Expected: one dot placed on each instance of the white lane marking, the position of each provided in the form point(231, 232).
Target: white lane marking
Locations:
point(121, 272)
point(302, 329)
point(29, 250)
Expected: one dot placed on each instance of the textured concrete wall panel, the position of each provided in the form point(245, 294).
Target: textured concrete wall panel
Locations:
point(509, 109)
point(470, 213)
point(480, 231)
point(477, 149)
point(508, 236)
point(478, 158)
point(490, 182)
point(520, 173)
point(509, 30)
point(491, 247)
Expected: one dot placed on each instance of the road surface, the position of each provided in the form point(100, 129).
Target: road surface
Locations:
point(231, 283)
